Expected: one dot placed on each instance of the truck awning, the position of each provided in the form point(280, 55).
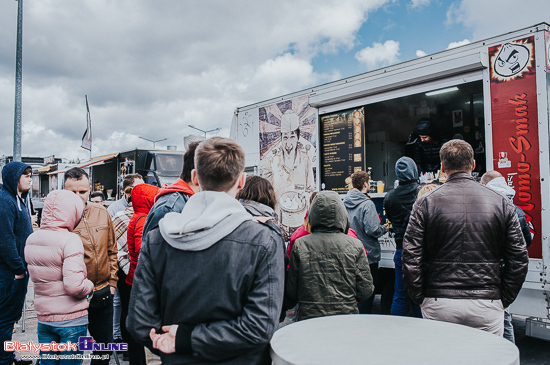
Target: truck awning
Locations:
point(94, 161)
point(45, 168)
point(99, 160)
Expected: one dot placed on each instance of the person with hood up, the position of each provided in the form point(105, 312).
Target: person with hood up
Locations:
point(427, 143)
point(398, 204)
point(15, 227)
point(55, 256)
point(209, 285)
point(329, 272)
point(366, 224)
point(142, 198)
point(494, 181)
point(305, 229)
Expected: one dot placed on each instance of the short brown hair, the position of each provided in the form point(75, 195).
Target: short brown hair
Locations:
point(219, 163)
point(259, 190)
point(129, 180)
point(457, 156)
point(359, 178)
point(489, 175)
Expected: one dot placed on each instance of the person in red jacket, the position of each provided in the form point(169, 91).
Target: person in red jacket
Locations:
point(143, 198)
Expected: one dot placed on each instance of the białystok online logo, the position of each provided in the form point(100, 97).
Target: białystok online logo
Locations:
point(84, 344)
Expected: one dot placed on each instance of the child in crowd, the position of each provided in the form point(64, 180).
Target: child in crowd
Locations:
point(329, 272)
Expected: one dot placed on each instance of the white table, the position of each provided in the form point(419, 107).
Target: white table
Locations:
point(387, 340)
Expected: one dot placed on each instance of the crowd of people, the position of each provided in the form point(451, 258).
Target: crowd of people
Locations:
point(198, 272)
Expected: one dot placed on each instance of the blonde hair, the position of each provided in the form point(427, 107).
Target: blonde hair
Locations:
point(307, 225)
point(427, 189)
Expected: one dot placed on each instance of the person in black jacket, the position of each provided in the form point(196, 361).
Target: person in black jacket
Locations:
point(427, 142)
point(209, 285)
point(398, 204)
point(455, 241)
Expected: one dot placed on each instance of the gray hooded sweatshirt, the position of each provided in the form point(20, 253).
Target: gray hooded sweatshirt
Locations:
point(365, 222)
point(215, 215)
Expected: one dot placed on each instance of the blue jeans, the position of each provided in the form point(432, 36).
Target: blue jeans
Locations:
point(508, 327)
point(401, 302)
point(12, 299)
point(47, 334)
point(117, 311)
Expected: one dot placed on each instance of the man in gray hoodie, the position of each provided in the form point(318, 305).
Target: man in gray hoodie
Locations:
point(209, 284)
point(366, 223)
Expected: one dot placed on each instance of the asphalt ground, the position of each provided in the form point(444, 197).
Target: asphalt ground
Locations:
point(532, 350)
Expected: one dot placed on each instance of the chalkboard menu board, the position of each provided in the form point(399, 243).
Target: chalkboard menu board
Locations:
point(342, 148)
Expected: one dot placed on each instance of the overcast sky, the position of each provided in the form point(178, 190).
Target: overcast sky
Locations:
point(151, 68)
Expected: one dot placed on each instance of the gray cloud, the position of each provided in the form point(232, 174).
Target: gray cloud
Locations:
point(152, 68)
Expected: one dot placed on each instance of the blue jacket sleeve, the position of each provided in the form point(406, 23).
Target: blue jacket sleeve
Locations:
point(9, 254)
point(371, 221)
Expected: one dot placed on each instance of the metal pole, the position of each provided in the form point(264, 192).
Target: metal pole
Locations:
point(18, 84)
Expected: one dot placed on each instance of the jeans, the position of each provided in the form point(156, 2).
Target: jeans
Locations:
point(101, 327)
point(401, 302)
point(508, 327)
point(47, 334)
point(365, 306)
point(12, 299)
point(116, 315)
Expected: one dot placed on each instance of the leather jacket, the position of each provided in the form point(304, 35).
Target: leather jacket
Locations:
point(229, 296)
point(455, 240)
point(97, 233)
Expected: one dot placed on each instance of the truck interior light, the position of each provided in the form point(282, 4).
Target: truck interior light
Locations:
point(442, 91)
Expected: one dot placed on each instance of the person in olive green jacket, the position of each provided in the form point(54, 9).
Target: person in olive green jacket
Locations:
point(329, 271)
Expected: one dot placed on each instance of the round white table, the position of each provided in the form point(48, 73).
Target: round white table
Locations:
point(386, 340)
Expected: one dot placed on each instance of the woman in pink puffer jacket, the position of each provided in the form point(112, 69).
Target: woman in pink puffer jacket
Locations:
point(55, 259)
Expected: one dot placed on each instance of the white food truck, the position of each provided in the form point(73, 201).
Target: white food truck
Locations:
point(494, 94)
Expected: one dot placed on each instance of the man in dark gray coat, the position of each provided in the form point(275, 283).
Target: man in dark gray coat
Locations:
point(208, 288)
point(455, 241)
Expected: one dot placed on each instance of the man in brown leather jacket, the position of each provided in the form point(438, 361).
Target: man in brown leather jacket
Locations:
point(97, 233)
point(455, 240)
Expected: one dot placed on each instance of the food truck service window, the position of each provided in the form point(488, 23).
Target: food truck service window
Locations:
point(414, 125)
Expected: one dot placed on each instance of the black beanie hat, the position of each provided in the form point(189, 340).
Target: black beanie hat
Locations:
point(424, 127)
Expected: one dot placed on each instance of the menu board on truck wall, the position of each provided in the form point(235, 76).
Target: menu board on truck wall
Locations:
point(515, 128)
point(342, 148)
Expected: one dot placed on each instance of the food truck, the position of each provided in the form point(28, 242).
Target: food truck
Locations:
point(494, 94)
point(158, 167)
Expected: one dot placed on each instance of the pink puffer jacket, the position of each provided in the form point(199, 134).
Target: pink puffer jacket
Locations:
point(55, 258)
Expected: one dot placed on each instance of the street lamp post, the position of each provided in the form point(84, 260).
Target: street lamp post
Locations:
point(203, 131)
point(18, 84)
point(154, 142)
